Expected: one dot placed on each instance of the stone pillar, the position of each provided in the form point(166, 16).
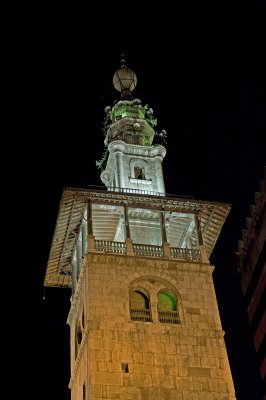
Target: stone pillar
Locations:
point(198, 229)
point(84, 233)
point(159, 174)
point(203, 252)
point(79, 254)
point(129, 242)
point(119, 167)
point(127, 227)
point(91, 239)
point(162, 223)
point(165, 244)
point(74, 274)
point(154, 305)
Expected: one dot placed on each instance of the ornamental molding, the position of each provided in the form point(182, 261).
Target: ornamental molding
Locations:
point(159, 268)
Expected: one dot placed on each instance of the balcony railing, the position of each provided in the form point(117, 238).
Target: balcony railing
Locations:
point(137, 314)
point(169, 317)
point(185, 254)
point(147, 250)
point(135, 191)
point(110, 246)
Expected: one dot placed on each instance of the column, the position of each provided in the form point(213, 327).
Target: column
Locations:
point(119, 167)
point(91, 239)
point(79, 254)
point(129, 243)
point(159, 174)
point(198, 229)
point(84, 233)
point(74, 274)
point(166, 246)
point(203, 252)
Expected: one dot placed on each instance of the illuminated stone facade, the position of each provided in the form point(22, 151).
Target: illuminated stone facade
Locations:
point(118, 357)
point(144, 321)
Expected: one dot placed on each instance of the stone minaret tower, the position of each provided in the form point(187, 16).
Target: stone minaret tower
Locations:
point(144, 321)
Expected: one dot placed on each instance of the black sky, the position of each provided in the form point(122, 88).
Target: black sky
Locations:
point(202, 68)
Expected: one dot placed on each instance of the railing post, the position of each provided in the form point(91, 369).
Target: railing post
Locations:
point(129, 247)
point(129, 242)
point(163, 230)
point(74, 275)
point(127, 221)
point(166, 249)
point(84, 238)
point(91, 238)
point(166, 245)
point(198, 229)
point(79, 254)
point(203, 252)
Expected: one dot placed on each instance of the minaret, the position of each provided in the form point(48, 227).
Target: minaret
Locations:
point(144, 321)
point(132, 160)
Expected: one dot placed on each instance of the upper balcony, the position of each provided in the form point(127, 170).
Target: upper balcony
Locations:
point(129, 222)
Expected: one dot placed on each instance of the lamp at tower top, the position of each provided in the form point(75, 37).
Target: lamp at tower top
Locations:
point(124, 80)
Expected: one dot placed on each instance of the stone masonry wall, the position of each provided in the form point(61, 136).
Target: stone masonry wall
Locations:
point(123, 359)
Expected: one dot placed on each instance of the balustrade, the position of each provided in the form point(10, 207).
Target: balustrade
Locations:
point(169, 317)
point(137, 314)
point(147, 250)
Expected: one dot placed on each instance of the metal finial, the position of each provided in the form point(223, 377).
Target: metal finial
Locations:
point(123, 61)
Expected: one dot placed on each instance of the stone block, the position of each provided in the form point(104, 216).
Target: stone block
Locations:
point(198, 371)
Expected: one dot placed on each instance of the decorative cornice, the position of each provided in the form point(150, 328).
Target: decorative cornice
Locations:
point(148, 262)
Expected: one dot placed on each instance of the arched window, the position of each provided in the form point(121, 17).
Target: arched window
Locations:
point(167, 307)
point(139, 172)
point(139, 305)
point(138, 169)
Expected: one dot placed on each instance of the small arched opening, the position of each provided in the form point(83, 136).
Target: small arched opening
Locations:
point(139, 305)
point(168, 307)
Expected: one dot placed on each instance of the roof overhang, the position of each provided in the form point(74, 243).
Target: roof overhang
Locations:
point(73, 204)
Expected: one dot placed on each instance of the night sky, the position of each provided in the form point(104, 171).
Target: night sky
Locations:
point(202, 68)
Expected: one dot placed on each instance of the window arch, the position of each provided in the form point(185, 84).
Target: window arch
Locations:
point(154, 299)
point(166, 302)
point(138, 169)
point(168, 307)
point(139, 172)
point(139, 305)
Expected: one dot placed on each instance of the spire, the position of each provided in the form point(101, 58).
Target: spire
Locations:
point(128, 120)
point(124, 80)
point(123, 61)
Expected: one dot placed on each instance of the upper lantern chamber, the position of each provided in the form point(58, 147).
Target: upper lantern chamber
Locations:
point(125, 81)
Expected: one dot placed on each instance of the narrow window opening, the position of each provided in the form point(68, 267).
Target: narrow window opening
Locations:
point(139, 174)
point(124, 367)
point(83, 392)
